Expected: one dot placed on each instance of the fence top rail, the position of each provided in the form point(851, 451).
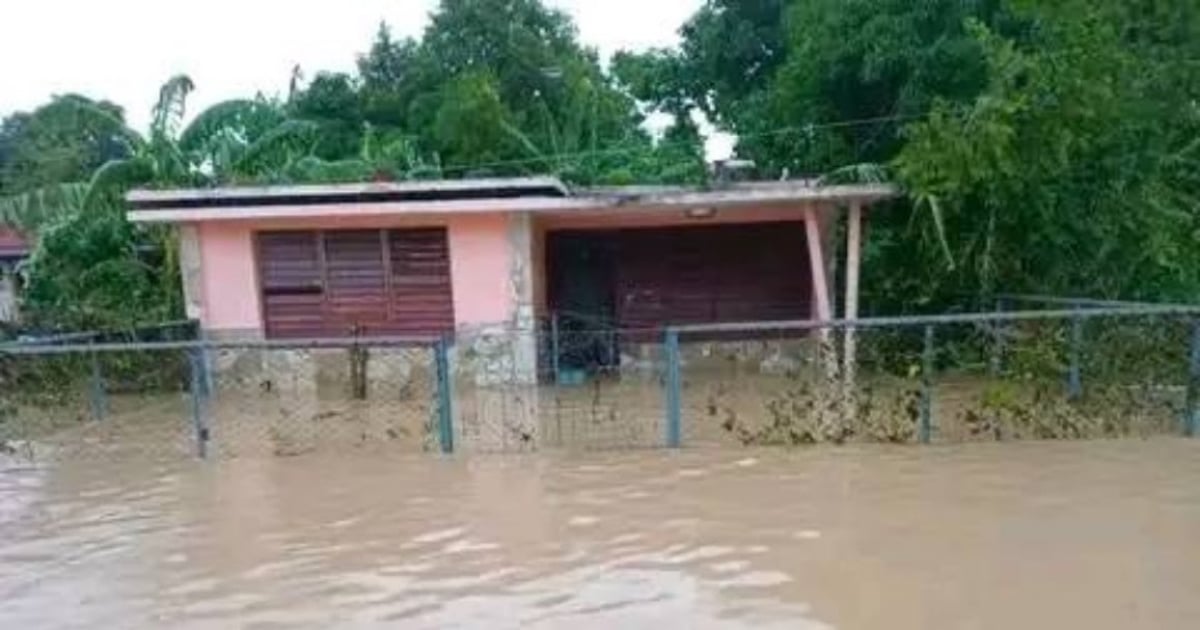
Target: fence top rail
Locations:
point(901, 321)
point(1059, 300)
point(247, 344)
point(93, 335)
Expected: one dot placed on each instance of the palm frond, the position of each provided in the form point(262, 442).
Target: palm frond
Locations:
point(245, 119)
point(278, 146)
point(862, 173)
point(112, 179)
point(35, 210)
point(171, 107)
point(939, 225)
point(524, 140)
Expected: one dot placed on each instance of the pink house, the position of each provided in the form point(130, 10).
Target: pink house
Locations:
point(499, 263)
point(423, 259)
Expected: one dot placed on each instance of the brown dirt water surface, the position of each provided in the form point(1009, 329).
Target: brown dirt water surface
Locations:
point(1102, 534)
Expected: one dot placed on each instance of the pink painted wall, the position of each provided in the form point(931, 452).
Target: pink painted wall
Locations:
point(229, 278)
point(481, 256)
point(480, 259)
point(479, 265)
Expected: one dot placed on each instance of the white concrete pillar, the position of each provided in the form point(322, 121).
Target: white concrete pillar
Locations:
point(816, 261)
point(191, 270)
point(497, 385)
point(523, 321)
point(826, 355)
point(853, 268)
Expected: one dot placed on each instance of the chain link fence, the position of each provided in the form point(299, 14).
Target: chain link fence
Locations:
point(1079, 373)
point(204, 399)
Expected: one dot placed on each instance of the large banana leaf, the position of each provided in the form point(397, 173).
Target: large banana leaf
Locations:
point(37, 209)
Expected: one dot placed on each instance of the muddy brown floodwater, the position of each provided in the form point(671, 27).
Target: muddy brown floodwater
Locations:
point(1016, 535)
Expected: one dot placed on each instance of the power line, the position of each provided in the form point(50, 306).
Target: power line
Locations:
point(808, 128)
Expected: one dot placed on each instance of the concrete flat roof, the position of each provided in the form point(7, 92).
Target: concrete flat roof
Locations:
point(526, 194)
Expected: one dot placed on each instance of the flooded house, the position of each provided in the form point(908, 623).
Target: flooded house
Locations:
point(509, 268)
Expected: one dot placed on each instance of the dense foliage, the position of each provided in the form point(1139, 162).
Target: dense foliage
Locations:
point(1045, 145)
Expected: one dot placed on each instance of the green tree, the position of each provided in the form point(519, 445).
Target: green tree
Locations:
point(91, 267)
point(64, 140)
point(331, 103)
point(90, 271)
point(1047, 146)
point(504, 87)
point(1073, 171)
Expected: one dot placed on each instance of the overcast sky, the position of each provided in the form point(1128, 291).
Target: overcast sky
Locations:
point(122, 50)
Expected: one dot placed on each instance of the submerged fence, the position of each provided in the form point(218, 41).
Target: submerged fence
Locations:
point(1081, 372)
point(232, 399)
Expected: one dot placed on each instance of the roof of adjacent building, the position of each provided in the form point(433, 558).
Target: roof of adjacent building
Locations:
point(12, 244)
point(535, 194)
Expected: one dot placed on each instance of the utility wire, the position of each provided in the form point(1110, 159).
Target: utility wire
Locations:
point(807, 128)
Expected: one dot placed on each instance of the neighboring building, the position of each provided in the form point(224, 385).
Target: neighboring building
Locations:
point(428, 258)
point(13, 250)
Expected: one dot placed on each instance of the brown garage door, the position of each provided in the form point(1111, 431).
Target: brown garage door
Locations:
point(644, 279)
point(708, 274)
point(356, 282)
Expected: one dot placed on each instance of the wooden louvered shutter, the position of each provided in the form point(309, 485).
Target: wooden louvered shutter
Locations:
point(421, 298)
point(356, 283)
point(341, 283)
point(293, 295)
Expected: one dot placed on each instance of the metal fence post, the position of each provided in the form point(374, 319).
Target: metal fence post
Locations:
point(96, 390)
point(674, 398)
point(206, 354)
point(554, 348)
point(925, 425)
point(1075, 371)
point(1191, 420)
point(199, 401)
point(996, 364)
point(445, 413)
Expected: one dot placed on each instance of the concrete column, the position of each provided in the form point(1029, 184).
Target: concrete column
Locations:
point(827, 220)
point(853, 266)
point(191, 269)
point(816, 261)
point(495, 364)
point(524, 319)
point(826, 355)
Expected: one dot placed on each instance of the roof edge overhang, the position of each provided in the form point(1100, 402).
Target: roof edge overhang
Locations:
point(374, 192)
point(537, 195)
